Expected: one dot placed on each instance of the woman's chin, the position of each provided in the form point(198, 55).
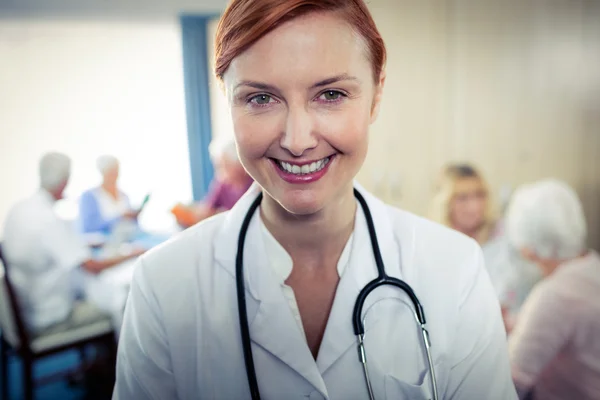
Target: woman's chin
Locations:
point(301, 209)
point(300, 203)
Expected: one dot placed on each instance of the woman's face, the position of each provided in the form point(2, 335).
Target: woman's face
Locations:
point(302, 99)
point(112, 174)
point(467, 208)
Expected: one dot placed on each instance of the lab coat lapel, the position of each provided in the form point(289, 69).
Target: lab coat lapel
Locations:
point(272, 325)
point(339, 334)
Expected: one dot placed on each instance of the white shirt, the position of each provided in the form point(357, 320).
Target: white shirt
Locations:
point(41, 251)
point(181, 332)
point(555, 346)
point(282, 264)
point(110, 207)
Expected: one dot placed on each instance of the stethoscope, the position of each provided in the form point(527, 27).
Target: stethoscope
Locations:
point(358, 325)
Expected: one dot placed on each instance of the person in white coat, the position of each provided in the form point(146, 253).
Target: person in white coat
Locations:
point(304, 82)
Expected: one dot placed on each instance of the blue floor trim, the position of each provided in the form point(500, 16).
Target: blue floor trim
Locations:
point(51, 364)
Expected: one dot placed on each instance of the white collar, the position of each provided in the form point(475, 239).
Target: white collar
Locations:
point(281, 261)
point(226, 249)
point(46, 197)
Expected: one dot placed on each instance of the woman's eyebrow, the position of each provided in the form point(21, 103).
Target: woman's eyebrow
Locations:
point(334, 79)
point(324, 82)
point(255, 85)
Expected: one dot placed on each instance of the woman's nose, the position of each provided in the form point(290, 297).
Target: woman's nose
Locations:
point(299, 135)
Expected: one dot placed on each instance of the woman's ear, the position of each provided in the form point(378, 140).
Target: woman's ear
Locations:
point(377, 97)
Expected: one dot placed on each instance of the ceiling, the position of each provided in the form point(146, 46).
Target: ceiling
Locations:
point(108, 8)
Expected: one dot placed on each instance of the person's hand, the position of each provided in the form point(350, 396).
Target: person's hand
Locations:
point(133, 253)
point(137, 251)
point(131, 214)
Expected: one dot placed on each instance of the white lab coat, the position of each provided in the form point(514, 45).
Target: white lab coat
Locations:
point(42, 251)
point(181, 337)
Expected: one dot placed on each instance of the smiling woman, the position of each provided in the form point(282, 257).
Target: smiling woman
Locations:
point(322, 116)
point(262, 304)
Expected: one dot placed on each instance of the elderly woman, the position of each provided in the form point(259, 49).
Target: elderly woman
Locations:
point(555, 347)
point(103, 208)
point(230, 183)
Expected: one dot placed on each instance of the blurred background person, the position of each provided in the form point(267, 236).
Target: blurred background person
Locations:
point(104, 208)
point(43, 251)
point(555, 345)
point(463, 202)
point(231, 181)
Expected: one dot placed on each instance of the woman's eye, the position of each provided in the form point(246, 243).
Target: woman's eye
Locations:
point(331, 95)
point(261, 99)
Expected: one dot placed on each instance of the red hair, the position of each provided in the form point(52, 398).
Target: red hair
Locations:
point(246, 21)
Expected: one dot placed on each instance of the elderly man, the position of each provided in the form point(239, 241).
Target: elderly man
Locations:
point(555, 345)
point(42, 251)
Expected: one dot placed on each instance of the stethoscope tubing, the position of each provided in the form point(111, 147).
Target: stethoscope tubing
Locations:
point(357, 322)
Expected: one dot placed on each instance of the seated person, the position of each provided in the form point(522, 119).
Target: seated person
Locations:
point(555, 345)
point(230, 183)
point(463, 202)
point(42, 252)
point(103, 208)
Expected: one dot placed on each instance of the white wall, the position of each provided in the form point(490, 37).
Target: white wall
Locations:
point(222, 124)
point(88, 87)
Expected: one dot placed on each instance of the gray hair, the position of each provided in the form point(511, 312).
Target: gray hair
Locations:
point(106, 163)
point(223, 148)
point(54, 169)
point(547, 217)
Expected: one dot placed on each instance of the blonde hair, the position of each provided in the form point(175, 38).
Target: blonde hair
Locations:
point(445, 192)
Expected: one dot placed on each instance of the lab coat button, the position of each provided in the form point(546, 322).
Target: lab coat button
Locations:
point(316, 396)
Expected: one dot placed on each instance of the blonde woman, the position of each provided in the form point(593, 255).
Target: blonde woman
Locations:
point(462, 203)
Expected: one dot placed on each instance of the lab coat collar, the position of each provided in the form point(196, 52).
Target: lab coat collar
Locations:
point(226, 243)
point(272, 325)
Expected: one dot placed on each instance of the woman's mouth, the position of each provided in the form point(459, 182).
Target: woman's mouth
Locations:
point(307, 172)
point(303, 169)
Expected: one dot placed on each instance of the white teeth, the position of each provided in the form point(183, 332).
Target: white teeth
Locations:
point(304, 169)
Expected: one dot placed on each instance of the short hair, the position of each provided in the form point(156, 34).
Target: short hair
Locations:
point(54, 170)
point(244, 22)
point(105, 163)
point(223, 147)
point(547, 217)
